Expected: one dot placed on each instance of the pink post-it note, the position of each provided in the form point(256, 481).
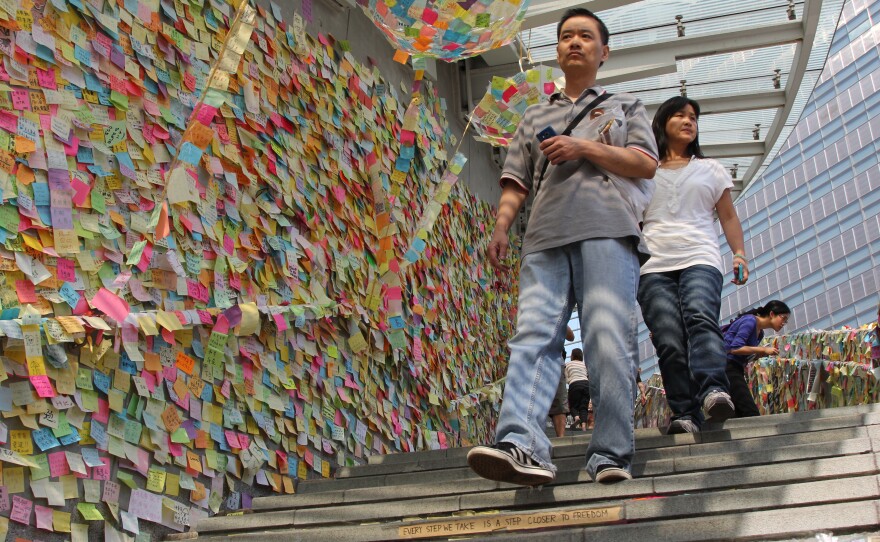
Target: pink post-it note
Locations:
point(43, 386)
point(47, 78)
point(222, 325)
point(102, 472)
point(26, 291)
point(111, 304)
point(80, 192)
point(21, 510)
point(44, 517)
point(111, 492)
point(66, 270)
point(58, 465)
point(145, 505)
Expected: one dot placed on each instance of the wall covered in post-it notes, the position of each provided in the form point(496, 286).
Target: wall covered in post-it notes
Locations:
point(156, 378)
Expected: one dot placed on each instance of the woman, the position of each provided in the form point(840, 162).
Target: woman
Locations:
point(680, 286)
point(741, 340)
point(875, 342)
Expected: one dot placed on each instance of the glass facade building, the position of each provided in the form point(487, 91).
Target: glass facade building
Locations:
point(812, 218)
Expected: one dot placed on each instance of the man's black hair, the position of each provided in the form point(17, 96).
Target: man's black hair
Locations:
point(583, 12)
point(577, 353)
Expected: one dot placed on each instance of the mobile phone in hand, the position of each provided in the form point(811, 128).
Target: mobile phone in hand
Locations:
point(740, 273)
point(546, 133)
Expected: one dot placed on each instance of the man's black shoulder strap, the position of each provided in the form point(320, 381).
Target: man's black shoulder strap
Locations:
point(571, 126)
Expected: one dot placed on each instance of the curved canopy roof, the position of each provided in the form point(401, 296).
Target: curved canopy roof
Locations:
point(751, 64)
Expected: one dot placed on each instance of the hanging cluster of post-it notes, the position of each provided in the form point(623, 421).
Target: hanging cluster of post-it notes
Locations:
point(446, 29)
point(498, 114)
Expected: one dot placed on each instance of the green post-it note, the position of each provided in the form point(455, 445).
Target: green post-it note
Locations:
point(9, 218)
point(42, 469)
point(132, 431)
point(397, 339)
point(179, 436)
point(119, 100)
point(106, 273)
point(89, 511)
point(127, 479)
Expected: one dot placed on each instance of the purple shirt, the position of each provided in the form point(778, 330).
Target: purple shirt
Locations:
point(742, 332)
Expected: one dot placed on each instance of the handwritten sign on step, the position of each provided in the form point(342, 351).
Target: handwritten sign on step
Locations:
point(510, 522)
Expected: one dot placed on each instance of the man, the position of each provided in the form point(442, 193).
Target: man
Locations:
point(582, 246)
point(557, 407)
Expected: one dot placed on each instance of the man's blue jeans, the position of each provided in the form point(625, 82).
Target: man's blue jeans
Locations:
point(600, 277)
point(681, 310)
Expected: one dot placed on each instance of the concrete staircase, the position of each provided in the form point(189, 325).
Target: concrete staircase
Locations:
point(769, 478)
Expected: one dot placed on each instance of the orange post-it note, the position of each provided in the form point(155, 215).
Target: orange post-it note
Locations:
point(200, 135)
point(401, 56)
point(171, 418)
point(185, 363)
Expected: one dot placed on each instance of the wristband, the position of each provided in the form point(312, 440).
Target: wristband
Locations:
point(741, 256)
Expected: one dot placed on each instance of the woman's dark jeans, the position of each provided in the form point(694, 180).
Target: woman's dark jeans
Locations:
point(743, 402)
point(681, 309)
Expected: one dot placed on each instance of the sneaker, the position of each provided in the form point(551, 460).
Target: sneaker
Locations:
point(505, 462)
point(610, 474)
point(683, 425)
point(718, 406)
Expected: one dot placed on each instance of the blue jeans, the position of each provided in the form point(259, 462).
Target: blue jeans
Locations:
point(600, 276)
point(681, 308)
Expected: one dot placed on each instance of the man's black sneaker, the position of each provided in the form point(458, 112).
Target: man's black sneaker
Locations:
point(505, 462)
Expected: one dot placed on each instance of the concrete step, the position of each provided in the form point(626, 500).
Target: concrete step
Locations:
point(792, 509)
point(656, 447)
point(577, 437)
point(831, 443)
point(773, 477)
point(647, 441)
point(551, 496)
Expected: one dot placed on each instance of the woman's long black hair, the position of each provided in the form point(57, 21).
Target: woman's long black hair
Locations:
point(775, 306)
point(669, 108)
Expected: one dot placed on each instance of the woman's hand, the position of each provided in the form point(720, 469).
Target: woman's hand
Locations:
point(740, 260)
point(769, 350)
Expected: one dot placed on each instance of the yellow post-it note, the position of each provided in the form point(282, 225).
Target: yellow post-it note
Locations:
point(21, 442)
point(172, 485)
point(156, 480)
point(61, 521)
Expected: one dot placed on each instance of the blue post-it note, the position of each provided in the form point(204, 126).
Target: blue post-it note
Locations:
point(45, 439)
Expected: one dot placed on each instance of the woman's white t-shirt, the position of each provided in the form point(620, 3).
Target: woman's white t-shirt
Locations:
point(679, 226)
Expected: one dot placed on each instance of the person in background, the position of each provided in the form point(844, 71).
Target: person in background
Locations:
point(875, 342)
point(680, 286)
point(578, 388)
point(741, 340)
point(557, 407)
point(643, 390)
point(581, 249)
